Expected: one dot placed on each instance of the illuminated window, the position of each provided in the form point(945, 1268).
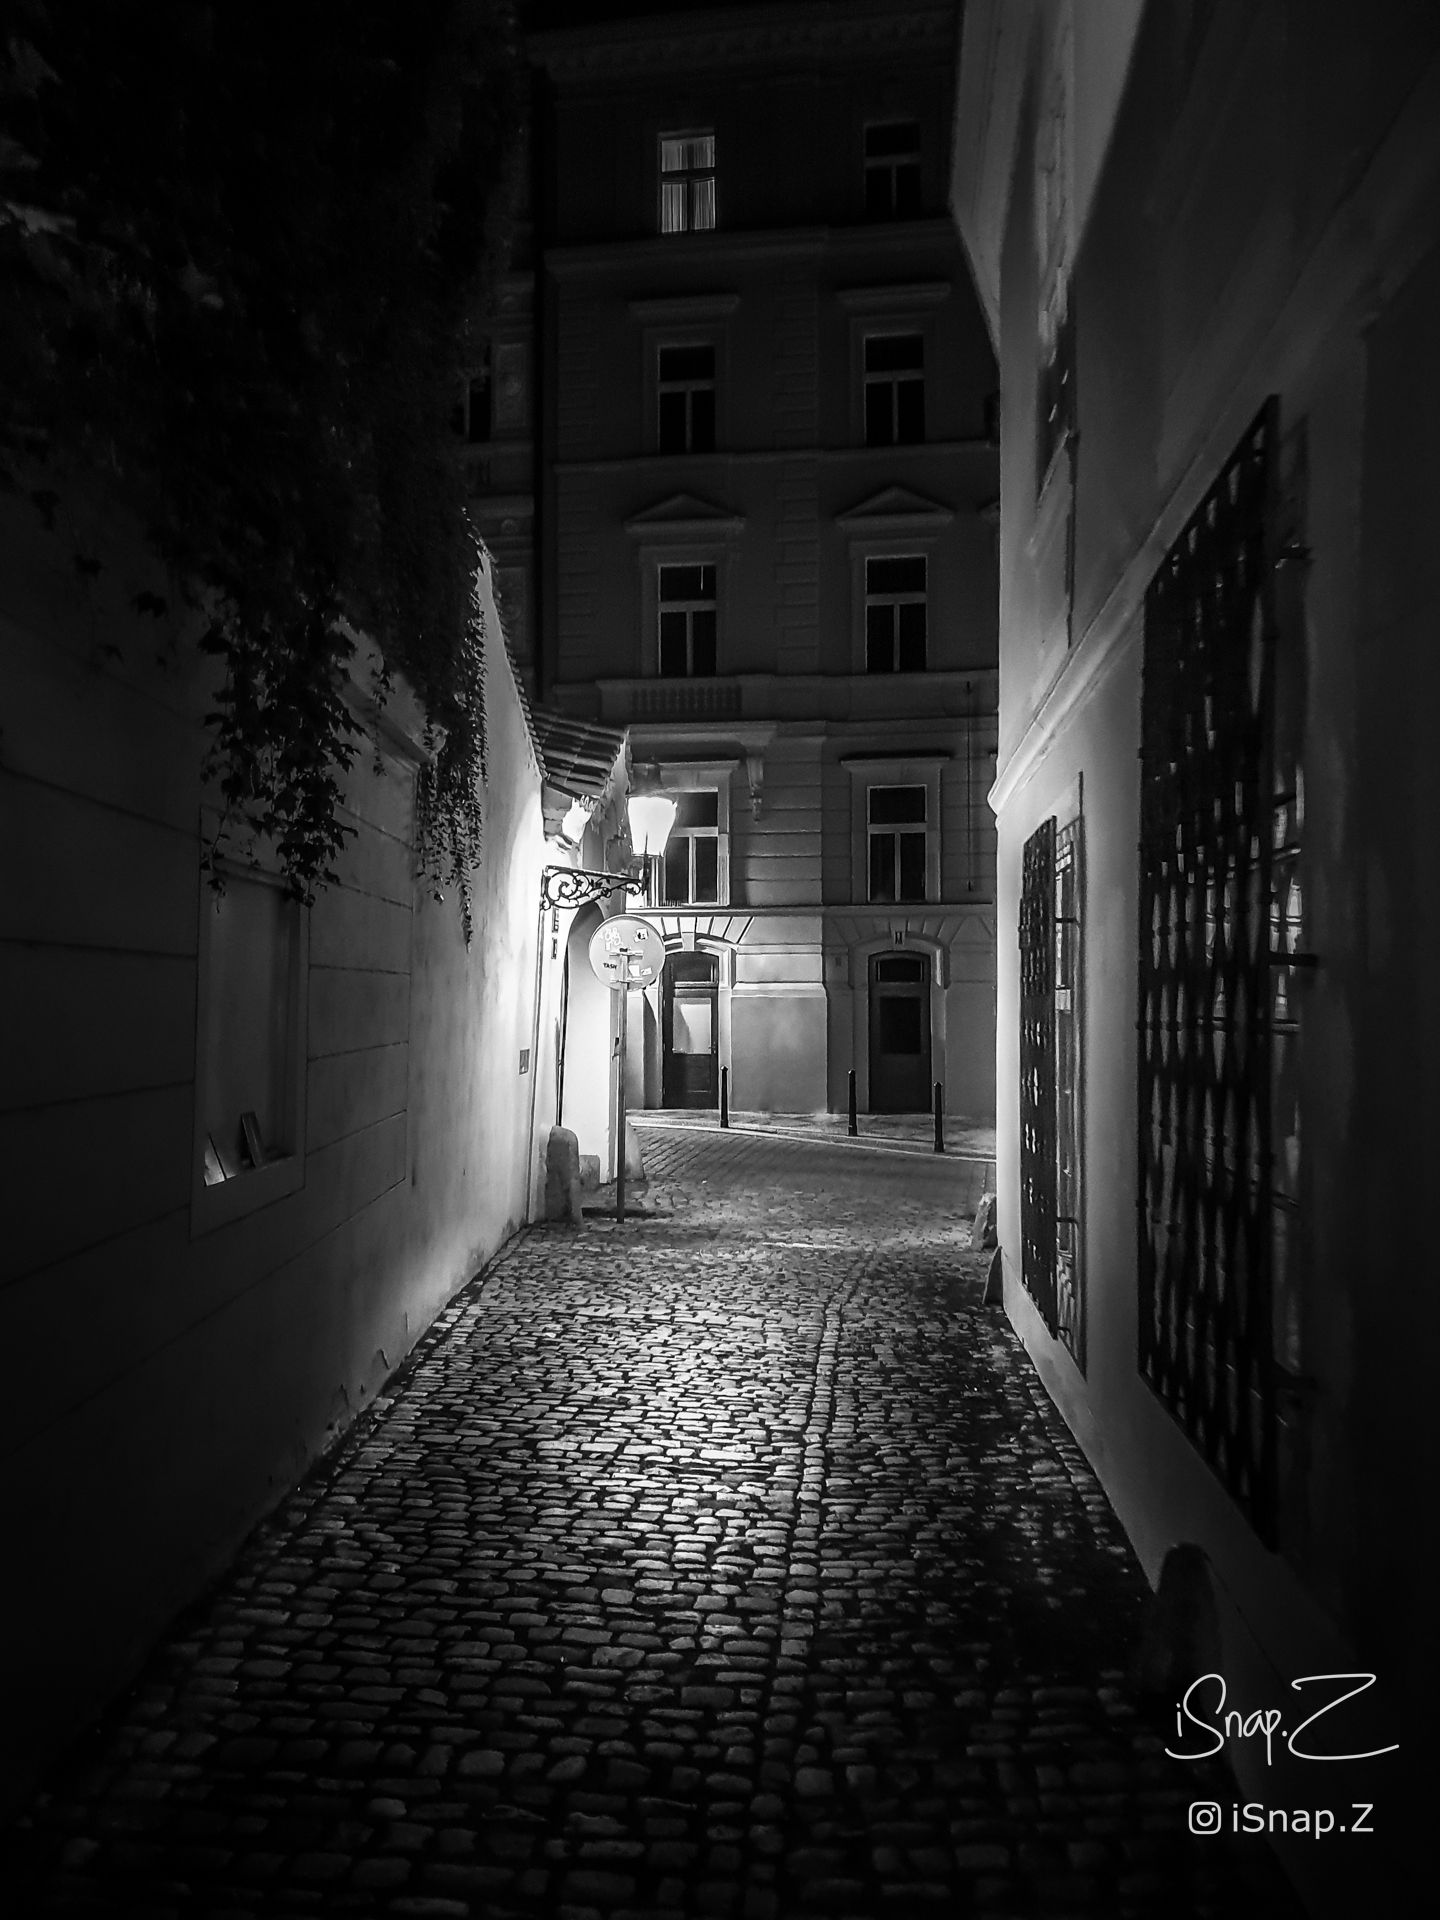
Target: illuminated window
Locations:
point(692, 853)
point(896, 827)
point(895, 614)
point(894, 389)
point(892, 170)
point(687, 621)
point(687, 182)
point(686, 399)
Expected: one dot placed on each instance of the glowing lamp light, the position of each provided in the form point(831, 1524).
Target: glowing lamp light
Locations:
point(651, 817)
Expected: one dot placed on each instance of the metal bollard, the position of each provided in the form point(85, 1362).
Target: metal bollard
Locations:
point(854, 1126)
point(939, 1117)
point(724, 1096)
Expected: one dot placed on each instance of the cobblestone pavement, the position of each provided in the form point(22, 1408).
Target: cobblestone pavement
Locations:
point(728, 1561)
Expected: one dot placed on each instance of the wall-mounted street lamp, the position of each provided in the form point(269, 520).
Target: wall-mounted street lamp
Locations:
point(651, 817)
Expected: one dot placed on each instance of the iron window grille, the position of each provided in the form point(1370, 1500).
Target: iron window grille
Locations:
point(1050, 1081)
point(687, 621)
point(1069, 1277)
point(895, 614)
point(1037, 1073)
point(1206, 1339)
point(686, 399)
point(894, 382)
point(896, 828)
point(892, 170)
point(687, 182)
point(692, 853)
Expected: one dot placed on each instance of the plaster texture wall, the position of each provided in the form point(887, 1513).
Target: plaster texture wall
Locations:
point(1264, 224)
point(178, 1379)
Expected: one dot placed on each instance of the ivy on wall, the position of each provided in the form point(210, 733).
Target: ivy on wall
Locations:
point(243, 248)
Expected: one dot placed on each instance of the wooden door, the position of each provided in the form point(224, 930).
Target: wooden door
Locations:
point(899, 1033)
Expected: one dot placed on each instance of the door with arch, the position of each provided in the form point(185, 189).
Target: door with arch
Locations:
point(899, 1033)
point(690, 1031)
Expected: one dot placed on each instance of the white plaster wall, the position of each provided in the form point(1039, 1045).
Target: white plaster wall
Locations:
point(175, 1384)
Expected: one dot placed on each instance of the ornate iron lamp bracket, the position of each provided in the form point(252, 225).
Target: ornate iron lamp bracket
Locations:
point(575, 886)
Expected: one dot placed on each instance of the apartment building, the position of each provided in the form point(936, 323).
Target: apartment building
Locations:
point(759, 533)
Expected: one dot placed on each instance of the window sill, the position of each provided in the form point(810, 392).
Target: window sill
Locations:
point(230, 1200)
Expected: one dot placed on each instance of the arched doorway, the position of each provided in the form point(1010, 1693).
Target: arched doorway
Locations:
point(690, 1031)
point(899, 1033)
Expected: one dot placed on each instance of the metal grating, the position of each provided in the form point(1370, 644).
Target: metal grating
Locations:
point(1037, 1071)
point(1069, 1272)
point(1205, 1338)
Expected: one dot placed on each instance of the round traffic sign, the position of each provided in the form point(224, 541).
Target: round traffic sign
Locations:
point(627, 952)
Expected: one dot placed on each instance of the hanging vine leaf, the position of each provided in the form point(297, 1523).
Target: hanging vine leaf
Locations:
point(243, 248)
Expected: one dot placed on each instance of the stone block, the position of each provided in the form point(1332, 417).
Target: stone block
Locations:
point(562, 1176)
point(983, 1232)
point(589, 1171)
point(634, 1163)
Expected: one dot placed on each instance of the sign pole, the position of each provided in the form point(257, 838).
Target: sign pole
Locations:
point(622, 1007)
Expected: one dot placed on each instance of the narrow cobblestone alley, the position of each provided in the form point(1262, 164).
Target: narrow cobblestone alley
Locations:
point(727, 1562)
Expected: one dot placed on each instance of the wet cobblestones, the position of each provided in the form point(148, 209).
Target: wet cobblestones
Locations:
point(727, 1562)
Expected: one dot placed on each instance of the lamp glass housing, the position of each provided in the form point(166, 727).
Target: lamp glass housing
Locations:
point(651, 817)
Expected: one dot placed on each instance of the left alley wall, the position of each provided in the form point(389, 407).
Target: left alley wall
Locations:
point(177, 1354)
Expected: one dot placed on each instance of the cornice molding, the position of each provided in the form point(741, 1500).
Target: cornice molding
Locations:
point(713, 250)
point(685, 514)
point(732, 37)
point(664, 310)
point(888, 297)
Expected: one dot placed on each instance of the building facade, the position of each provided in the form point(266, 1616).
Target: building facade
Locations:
point(1205, 238)
point(763, 502)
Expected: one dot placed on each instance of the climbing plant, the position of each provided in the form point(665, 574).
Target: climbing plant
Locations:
point(243, 250)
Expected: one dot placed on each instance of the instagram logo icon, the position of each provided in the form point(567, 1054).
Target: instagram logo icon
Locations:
point(1204, 1816)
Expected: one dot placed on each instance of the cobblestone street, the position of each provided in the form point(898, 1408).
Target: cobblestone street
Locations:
point(729, 1561)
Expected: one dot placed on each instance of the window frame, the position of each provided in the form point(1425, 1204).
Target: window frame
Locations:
point(875, 165)
point(216, 1206)
point(895, 598)
point(872, 380)
point(896, 832)
point(688, 386)
point(919, 769)
point(690, 835)
point(689, 607)
point(690, 177)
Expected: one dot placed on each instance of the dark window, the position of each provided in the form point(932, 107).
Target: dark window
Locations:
point(687, 621)
point(894, 389)
point(472, 415)
point(686, 391)
point(692, 853)
point(892, 170)
point(896, 828)
point(895, 614)
point(687, 182)
point(899, 967)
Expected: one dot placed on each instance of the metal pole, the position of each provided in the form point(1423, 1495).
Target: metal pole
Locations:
point(939, 1117)
point(622, 1003)
point(854, 1127)
point(724, 1096)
